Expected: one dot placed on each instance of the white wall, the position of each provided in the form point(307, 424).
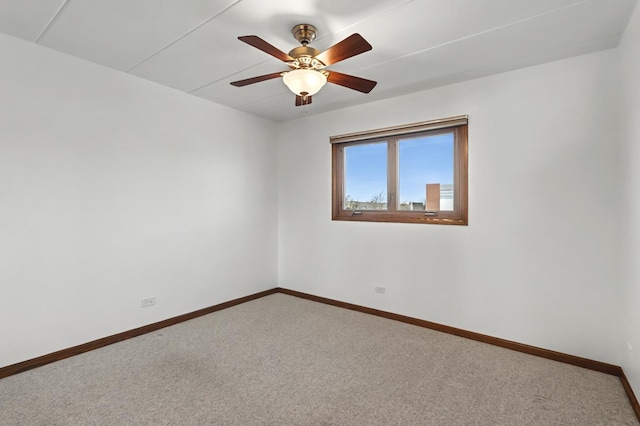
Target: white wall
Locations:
point(113, 189)
point(538, 262)
point(629, 51)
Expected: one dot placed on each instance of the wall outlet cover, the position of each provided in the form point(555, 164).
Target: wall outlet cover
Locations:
point(147, 301)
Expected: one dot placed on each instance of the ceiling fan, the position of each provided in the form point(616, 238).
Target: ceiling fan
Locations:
point(308, 74)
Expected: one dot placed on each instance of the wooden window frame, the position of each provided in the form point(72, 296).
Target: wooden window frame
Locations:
point(391, 135)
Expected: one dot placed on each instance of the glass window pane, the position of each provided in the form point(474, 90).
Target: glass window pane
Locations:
point(425, 173)
point(365, 177)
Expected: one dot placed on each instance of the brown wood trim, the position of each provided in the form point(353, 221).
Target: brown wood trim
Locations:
point(602, 367)
point(461, 194)
point(392, 175)
point(590, 364)
point(632, 397)
point(458, 216)
point(532, 350)
point(95, 344)
point(403, 129)
point(337, 185)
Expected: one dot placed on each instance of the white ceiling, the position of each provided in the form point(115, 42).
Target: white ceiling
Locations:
point(192, 46)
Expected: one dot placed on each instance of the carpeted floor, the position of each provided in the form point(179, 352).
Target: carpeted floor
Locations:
point(280, 360)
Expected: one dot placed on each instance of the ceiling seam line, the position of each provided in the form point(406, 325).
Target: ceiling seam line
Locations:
point(413, 53)
point(490, 30)
point(363, 20)
point(51, 21)
point(183, 35)
point(319, 38)
point(392, 91)
point(230, 75)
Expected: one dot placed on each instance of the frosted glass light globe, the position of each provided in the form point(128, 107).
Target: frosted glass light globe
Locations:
point(304, 81)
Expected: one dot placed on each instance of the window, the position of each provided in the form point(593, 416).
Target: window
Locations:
point(416, 173)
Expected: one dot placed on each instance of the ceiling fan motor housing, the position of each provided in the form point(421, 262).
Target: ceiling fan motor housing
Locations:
point(305, 57)
point(300, 51)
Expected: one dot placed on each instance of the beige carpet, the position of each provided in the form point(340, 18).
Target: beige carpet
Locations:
point(281, 360)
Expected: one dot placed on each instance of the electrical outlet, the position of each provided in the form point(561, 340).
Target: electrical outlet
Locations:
point(147, 301)
point(380, 289)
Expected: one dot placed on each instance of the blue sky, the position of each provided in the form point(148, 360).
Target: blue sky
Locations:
point(422, 160)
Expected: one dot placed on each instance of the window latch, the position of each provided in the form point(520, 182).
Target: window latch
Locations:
point(356, 212)
point(431, 213)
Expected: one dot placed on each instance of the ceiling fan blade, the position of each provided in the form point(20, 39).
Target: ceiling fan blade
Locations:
point(258, 79)
point(259, 43)
point(303, 101)
point(353, 45)
point(356, 83)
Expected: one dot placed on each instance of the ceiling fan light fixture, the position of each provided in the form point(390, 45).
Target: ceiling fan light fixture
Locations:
point(307, 74)
point(304, 82)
